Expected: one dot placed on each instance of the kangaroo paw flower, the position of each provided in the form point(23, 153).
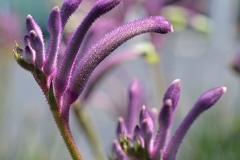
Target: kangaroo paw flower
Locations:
point(207, 100)
point(106, 45)
point(65, 69)
point(141, 145)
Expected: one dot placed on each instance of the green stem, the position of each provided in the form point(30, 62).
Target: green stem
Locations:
point(90, 131)
point(63, 126)
point(66, 135)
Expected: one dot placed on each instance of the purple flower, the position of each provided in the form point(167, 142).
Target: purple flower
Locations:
point(142, 144)
point(65, 78)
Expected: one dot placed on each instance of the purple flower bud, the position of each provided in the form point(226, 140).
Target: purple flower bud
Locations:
point(137, 135)
point(29, 55)
point(173, 93)
point(137, 130)
point(208, 99)
point(54, 28)
point(105, 46)
point(31, 24)
point(117, 150)
point(144, 114)
point(20, 56)
point(121, 127)
point(68, 8)
point(27, 40)
point(147, 131)
point(38, 45)
point(133, 106)
point(165, 122)
point(68, 60)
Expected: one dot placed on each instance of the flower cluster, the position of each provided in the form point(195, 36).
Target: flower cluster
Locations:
point(138, 142)
point(64, 76)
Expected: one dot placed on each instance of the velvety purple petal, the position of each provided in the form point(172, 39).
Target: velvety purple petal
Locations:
point(106, 45)
point(55, 29)
point(121, 127)
point(147, 132)
point(165, 122)
point(68, 59)
point(134, 104)
point(38, 46)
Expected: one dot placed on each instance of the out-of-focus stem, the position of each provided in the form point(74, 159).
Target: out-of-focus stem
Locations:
point(88, 128)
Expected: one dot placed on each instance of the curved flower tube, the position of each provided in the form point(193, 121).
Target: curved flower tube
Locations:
point(66, 65)
point(105, 46)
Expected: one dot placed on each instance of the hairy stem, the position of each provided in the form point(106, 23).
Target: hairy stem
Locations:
point(63, 126)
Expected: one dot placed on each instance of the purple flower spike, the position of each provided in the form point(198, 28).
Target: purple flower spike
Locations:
point(38, 45)
point(121, 128)
point(55, 29)
point(165, 122)
point(64, 72)
point(173, 93)
point(208, 99)
point(105, 46)
point(68, 8)
point(134, 101)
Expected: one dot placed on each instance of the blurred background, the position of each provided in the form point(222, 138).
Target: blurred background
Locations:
point(201, 52)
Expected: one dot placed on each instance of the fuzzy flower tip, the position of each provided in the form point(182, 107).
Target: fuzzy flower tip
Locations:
point(141, 144)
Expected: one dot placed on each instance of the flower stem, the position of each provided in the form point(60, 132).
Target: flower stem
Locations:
point(66, 135)
point(88, 128)
point(63, 126)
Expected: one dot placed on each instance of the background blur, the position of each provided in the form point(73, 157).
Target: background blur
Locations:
point(200, 53)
